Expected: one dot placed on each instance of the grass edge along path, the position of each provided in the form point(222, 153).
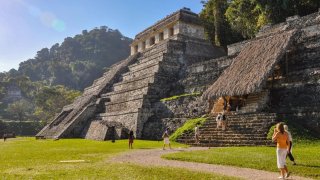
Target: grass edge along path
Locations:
point(26, 158)
point(153, 158)
point(306, 155)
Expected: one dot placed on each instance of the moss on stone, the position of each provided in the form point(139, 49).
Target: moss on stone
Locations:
point(187, 127)
point(179, 96)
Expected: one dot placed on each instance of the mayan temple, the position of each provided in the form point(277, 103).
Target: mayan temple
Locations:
point(272, 77)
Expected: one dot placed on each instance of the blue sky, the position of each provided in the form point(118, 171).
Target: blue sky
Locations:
point(27, 26)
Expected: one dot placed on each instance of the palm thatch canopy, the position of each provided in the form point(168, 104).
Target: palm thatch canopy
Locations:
point(251, 68)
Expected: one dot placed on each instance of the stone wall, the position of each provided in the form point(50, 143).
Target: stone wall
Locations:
point(295, 97)
point(202, 74)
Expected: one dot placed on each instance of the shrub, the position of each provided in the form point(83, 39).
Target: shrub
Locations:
point(23, 128)
point(297, 131)
point(187, 127)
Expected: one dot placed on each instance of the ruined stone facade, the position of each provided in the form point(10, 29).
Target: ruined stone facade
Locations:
point(125, 97)
point(172, 57)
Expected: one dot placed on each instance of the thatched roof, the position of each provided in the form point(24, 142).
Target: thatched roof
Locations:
point(251, 68)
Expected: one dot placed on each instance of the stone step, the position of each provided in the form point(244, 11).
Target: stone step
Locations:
point(231, 131)
point(133, 85)
point(212, 144)
point(226, 133)
point(242, 130)
point(220, 138)
point(124, 106)
point(241, 121)
point(139, 74)
point(225, 143)
point(229, 142)
point(141, 65)
point(117, 113)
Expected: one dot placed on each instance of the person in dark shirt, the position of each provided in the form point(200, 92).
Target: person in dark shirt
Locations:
point(131, 138)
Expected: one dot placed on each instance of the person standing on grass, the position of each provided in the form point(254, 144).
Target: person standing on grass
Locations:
point(4, 137)
point(282, 139)
point(131, 138)
point(197, 133)
point(166, 140)
point(290, 145)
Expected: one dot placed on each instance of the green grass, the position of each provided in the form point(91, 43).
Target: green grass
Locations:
point(179, 96)
point(26, 158)
point(187, 127)
point(306, 155)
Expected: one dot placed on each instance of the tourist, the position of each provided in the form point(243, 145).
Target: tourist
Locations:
point(4, 137)
point(281, 137)
point(290, 145)
point(197, 133)
point(131, 137)
point(166, 140)
point(223, 121)
point(219, 119)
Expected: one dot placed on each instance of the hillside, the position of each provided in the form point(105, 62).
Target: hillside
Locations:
point(78, 60)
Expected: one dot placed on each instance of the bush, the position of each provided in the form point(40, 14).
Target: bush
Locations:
point(24, 128)
point(297, 131)
point(270, 133)
point(187, 127)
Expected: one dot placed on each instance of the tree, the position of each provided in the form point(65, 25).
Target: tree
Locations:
point(216, 9)
point(20, 110)
point(51, 100)
point(217, 28)
point(246, 17)
point(3, 127)
point(278, 10)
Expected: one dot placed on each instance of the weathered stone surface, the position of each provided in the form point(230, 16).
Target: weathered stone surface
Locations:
point(97, 131)
point(127, 97)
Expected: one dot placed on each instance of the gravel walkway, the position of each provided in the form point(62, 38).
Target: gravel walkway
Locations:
point(153, 158)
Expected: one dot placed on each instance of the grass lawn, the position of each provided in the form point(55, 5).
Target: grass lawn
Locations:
point(26, 158)
point(307, 156)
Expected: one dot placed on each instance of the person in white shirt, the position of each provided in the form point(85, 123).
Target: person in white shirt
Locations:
point(197, 134)
point(290, 145)
point(219, 119)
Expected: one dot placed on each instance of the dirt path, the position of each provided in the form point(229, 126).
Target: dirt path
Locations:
point(153, 158)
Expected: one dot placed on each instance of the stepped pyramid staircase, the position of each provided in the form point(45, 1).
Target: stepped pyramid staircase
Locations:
point(147, 80)
point(69, 123)
point(242, 130)
point(247, 127)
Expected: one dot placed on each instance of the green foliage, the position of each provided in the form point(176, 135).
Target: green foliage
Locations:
point(230, 21)
point(270, 132)
point(50, 100)
point(187, 127)
point(306, 155)
point(3, 127)
point(78, 60)
point(38, 103)
point(179, 96)
point(278, 11)
point(40, 159)
point(28, 128)
point(246, 17)
point(298, 132)
point(20, 110)
point(217, 29)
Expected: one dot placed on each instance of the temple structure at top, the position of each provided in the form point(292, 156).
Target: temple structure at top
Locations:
point(183, 22)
